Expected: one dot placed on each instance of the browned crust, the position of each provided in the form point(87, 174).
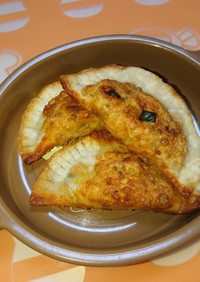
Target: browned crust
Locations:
point(135, 182)
point(162, 142)
point(64, 120)
point(119, 180)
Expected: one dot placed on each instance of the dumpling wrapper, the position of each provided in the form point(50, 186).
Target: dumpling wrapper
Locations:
point(99, 172)
point(51, 119)
point(175, 141)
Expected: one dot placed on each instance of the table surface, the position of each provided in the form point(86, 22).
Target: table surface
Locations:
point(30, 27)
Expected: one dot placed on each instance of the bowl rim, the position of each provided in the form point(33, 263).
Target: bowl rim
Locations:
point(192, 55)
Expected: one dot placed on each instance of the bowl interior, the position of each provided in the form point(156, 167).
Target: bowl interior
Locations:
point(87, 236)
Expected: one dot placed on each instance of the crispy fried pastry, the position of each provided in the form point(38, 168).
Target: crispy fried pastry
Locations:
point(147, 115)
point(99, 172)
point(51, 119)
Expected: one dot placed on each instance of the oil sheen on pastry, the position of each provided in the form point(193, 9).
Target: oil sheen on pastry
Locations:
point(147, 115)
point(98, 172)
point(51, 119)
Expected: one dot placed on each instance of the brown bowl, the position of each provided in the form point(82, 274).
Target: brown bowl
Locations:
point(89, 237)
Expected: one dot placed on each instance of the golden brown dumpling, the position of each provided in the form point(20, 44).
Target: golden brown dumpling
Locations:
point(99, 172)
point(51, 119)
point(120, 96)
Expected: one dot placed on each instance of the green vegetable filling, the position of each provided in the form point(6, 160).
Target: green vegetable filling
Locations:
point(148, 116)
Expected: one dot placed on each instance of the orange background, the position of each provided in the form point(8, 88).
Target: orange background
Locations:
point(49, 27)
point(40, 25)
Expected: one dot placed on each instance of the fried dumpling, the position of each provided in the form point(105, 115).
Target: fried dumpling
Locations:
point(51, 119)
point(147, 115)
point(99, 172)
